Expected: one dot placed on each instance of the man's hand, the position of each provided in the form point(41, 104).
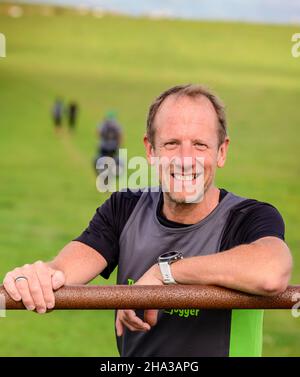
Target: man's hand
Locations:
point(36, 287)
point(129, 318)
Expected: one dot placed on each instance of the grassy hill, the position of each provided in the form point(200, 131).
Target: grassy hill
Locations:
point(47, 190)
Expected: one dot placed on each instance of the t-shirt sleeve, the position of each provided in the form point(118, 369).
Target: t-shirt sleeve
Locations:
point(106, 226)
point(262, 221)
point(101, 235)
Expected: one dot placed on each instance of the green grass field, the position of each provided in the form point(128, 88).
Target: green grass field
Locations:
point(47, 190)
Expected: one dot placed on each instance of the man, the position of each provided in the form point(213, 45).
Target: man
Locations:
point(72, 115)
point(57, 113)
point(225, 240)
point(110, 135)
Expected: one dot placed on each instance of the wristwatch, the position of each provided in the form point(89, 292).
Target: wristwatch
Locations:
point(164, 261)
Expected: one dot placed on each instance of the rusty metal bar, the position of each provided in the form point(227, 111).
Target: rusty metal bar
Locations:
point(162, 297)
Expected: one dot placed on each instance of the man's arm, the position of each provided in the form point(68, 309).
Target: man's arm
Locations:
point(76, 263)
point(80, 263)
point(262, 267)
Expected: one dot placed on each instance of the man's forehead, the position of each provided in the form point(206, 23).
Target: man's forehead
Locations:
point(174, 109)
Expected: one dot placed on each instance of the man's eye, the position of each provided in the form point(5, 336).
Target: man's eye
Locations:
point(170, 143)
point(201, 146)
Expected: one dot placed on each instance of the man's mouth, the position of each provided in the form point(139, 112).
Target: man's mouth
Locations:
point(185, 177)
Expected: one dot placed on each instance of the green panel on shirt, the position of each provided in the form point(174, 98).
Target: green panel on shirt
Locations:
point(246, 333)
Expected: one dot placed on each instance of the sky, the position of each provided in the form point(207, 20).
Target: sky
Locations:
point(265, 11)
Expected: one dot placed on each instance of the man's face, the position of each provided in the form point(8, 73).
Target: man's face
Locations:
point(186, 141)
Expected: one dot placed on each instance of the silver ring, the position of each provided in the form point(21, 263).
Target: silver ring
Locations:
point(18, 278)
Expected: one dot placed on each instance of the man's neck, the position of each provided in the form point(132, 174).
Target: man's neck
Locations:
point(189, 213)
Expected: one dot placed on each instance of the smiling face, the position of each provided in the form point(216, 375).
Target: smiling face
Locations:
point(186, 140)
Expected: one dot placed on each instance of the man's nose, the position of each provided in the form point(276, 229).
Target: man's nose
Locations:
point(184, 150)
point(186, 157)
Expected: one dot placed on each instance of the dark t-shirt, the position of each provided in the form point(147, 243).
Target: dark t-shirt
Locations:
point(110, 135)
point(246, 223)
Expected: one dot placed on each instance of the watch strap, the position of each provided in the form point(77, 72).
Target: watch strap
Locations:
point(165, 270)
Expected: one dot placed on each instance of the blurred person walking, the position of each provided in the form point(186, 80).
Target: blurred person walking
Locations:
point(72, 112)
point(57, 113)
point(110, 136)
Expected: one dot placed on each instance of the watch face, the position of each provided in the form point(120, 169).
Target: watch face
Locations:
point(170, 256)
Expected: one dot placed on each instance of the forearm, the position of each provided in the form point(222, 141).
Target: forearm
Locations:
point(257, 268)
point(79, 263)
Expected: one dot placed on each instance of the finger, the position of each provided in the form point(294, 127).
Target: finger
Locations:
point(58, 279)
point(9, 285)
point(130, 326)
point(131, 318)
point(150, 316)
point(119, 326)
point(44, 277)
point(23, 289)
point(35, 289)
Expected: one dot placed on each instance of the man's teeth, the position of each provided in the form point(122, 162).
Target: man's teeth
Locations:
point(181, 177)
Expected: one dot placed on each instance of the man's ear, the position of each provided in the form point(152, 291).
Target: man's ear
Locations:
point(222, 153)
point(149, 149)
